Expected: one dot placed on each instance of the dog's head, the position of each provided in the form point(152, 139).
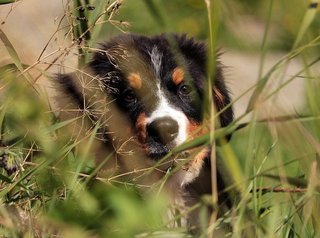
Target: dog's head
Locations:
point(159, 83)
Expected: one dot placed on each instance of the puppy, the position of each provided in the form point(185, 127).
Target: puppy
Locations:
point(156, 87)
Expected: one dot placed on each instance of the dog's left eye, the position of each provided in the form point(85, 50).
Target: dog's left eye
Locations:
point(129, 97)
point(184, 90)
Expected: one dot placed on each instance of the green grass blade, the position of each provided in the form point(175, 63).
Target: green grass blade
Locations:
point(308, 65)
point(264, 40)
point(264, 80)
point(298, 182)
point(7, 1)
point(99, 13)
point(60, 125)
point(12, 52)
point(232, 128)
point(232, 165)
point(81, 29)
point(306, 22)
point(260, 86)
point(5, 179)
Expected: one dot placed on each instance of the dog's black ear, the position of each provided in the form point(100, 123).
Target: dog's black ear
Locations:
point(110, 55)
point(101, 62)
point(106, 63)
point(68, 86)
point(193, 50)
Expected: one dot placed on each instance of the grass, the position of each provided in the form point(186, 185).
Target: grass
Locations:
point(50, 184)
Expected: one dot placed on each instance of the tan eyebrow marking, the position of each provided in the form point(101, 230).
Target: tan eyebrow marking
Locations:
point(177, 75)
point(134, 80)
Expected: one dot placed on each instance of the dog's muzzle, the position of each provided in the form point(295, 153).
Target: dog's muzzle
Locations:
point(163, 130)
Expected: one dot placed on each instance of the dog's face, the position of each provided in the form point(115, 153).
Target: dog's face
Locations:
point(159, 83)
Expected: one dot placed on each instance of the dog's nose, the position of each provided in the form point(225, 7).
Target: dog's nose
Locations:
point(163, 130)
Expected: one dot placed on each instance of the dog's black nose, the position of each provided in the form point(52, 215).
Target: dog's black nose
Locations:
point(163, 130)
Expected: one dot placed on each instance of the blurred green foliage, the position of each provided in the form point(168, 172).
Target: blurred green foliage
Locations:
point(242, 22)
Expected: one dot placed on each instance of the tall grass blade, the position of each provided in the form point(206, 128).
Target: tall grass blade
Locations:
point(12, 52)
point(232, 165)
point(298, 182)
point(260, 86)
point(5, 179)
point(81, 29)
point(306, 22)
point(59, 125)
point(264, 40)
point(99, 13)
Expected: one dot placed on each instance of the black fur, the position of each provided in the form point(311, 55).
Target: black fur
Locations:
point(70, 89)
point(194, 58)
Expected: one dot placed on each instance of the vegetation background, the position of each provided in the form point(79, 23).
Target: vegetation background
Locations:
point(271, 53)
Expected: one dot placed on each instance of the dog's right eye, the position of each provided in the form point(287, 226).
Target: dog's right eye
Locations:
point(184, 90)
point(129, 97)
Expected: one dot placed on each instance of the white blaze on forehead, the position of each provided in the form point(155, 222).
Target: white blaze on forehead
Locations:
point(163, 108)
point(156, 60)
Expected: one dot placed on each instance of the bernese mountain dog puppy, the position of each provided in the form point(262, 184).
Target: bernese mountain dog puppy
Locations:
point(157, 87)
